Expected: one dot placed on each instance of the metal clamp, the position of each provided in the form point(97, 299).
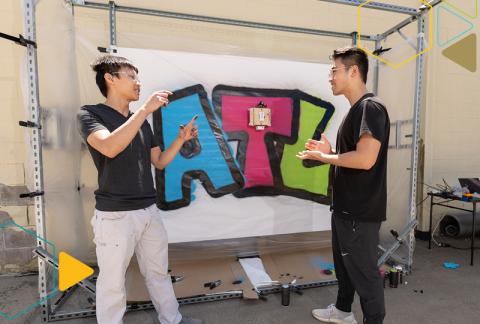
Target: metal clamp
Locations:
point(20, 40)
point(29, 124)
point(32, 194)
point(111, 49)
point(399, 240)
point(398, 134)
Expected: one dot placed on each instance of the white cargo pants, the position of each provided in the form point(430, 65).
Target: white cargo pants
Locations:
point(117, 236)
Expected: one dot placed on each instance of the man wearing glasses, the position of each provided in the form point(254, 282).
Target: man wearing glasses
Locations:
point(359, 190)
point(126, 219)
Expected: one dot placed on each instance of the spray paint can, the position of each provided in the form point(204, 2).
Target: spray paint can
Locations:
point(400, 271)
point(285, 294)
point(394, 277)
point(383, 275)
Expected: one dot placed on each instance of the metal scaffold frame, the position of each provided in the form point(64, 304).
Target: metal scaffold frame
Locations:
point(51, 312)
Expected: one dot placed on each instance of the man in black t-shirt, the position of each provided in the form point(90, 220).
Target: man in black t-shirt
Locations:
point(358, 181)
point(126, 218)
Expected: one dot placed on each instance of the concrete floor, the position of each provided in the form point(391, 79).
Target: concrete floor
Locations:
point(449, 296)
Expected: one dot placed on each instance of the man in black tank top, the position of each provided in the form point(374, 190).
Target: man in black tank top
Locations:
point(358, 180)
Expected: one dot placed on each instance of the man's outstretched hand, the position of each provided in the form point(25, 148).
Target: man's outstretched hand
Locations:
point(323, 145)
point(310, 155)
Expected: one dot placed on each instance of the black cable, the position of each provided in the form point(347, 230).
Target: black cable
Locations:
point(418, 204)
point(427, 185)
point(437, 187)
point(463, 249)
point(447, 185)
point(422, 201)
point(446, 245)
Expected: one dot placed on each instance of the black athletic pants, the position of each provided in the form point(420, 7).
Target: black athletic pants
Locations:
point(355, 258)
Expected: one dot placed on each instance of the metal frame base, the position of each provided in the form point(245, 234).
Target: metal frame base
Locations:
point(56, 314)
point(90, 312)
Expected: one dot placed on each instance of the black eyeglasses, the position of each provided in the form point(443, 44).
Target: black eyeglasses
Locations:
point(134, 78)
point(335, 69)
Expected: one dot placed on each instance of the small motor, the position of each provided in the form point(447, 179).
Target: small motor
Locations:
point(260, 116)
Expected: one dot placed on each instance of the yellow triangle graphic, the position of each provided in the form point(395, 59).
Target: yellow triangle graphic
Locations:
point(71, 271)
point(464, 52)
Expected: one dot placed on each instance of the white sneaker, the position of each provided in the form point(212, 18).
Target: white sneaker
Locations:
point(332, 314)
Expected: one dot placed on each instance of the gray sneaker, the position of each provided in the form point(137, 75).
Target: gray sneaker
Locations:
point(332, 314)
point(189, 320)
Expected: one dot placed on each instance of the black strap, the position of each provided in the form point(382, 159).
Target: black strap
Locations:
point(20, 40)
point(31, 194)
point(381, 50)
point(106, 50)
point(29, 124)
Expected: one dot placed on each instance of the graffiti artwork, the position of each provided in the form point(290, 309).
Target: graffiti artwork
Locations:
point(264, 163)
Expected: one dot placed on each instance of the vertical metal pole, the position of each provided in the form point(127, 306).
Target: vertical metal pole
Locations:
point(472, 246)
point(398, 134)
point(416, 132)
point(36, 143)
point(376, 70)
point(354, 38)
point(430, 224)
point(113, 23)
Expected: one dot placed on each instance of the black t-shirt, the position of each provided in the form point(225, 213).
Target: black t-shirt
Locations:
point(362, 194)
point(124, 182)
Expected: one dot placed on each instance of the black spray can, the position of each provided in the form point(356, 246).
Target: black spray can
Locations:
point(286, 295)
point(394, 278)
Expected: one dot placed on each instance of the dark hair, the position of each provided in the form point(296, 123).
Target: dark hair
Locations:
point(109, 64)
point(353, 56)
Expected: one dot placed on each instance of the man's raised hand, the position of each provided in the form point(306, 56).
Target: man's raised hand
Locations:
point(156, 100)
point(188, 131)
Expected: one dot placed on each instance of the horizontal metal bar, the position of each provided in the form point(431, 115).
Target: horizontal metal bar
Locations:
point(313, 284)
point(222, 21)
point(408, 20)
point(432, 3)
point(63, 315)
point(377, 5)
point(210, 297)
